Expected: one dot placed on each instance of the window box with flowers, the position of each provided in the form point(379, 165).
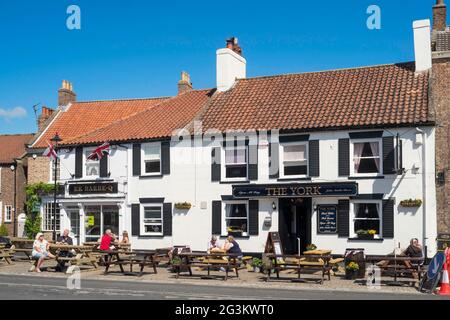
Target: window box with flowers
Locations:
point(366, 234)
point(411, 203)
point(183, 206)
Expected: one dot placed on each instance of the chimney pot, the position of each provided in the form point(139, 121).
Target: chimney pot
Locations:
point(184, 85)
point(66, 94)
point(42, 119)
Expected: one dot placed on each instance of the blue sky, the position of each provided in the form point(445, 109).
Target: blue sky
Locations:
point(137, 48)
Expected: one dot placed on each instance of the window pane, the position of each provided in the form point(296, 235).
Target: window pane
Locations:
point(152, 213)
point(293, 153)
point(367, 210)
point(153, 228)
point(293, 169)
point(152, 166)
point(235, 155)
point(368, 166)
point(92, 169)
point(367, 225)
point(366, 157)
point(151, 152)
point(240, 156)
point(236, 171)
point(236, 210)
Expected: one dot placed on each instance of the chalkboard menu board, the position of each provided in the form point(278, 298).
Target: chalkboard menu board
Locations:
point(327, 219)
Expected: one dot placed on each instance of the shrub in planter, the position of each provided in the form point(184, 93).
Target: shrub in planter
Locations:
point(257, 264)
point(3, 231)
point(366, 234)
point(351, 270)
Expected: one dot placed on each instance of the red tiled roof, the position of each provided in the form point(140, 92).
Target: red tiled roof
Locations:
point(369, 96)
point(84, 117)
point(157, 122)
point(13, 146)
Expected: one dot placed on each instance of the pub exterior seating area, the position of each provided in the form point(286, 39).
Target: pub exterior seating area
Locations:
point(306, 176)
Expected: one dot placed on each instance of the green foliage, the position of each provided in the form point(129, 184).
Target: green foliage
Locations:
point(34, 194)
point(256, 262)
point(3, 231)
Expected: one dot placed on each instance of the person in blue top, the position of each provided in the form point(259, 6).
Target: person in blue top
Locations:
point(231, 246)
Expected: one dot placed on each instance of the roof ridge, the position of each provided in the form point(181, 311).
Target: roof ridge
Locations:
point(324, 71)
point(17, 134)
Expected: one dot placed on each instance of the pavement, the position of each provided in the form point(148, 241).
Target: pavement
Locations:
point(17, 283)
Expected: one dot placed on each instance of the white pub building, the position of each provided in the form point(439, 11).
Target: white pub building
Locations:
point(340, 159)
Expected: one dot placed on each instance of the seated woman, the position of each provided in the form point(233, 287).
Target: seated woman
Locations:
point(231, 246)
point(40, 251)
point(414, 249)
point(125, 241)
point(107, 240)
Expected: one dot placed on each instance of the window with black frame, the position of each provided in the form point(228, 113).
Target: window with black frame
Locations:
point(236, 162)
point(236, 219)
point(367, 219)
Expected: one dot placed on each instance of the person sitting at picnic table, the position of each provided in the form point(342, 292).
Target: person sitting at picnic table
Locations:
point(414, 249)
point(231, 246)
point(107, 240)
point(213, 245)
point(125, 238)
point(64, 239)
point(40, 251)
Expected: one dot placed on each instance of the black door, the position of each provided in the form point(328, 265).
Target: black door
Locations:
point(295, 224)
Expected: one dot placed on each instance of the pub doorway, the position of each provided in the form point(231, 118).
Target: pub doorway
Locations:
point(295, 224)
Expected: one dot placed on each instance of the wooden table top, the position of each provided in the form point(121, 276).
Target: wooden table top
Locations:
point(317, 252)
point(393, 258)
point(205, 254)
point(68, 247)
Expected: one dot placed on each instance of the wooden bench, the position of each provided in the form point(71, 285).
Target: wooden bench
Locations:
point(396, 266)
point(141, 258)
point(229, 262)
point(7, 254)
point(82, 256)
point(299, 263)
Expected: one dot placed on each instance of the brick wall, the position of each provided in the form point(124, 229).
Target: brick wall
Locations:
point(38, 170)
point(7, 194)
point(440, 104)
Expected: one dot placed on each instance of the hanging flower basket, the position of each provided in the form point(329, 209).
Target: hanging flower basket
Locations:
point(183, 206)
point(411, 203)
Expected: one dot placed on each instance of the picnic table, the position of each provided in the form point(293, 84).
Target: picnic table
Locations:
point(142, 258)
point(298, 263)
point(188, 260)
point(81, 255)
point(398, 265)
point(6, 254)
point(22, 245)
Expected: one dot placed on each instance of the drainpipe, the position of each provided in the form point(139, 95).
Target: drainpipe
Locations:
point(424, 192)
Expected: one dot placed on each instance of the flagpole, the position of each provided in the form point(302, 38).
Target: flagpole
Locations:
point(55, 139)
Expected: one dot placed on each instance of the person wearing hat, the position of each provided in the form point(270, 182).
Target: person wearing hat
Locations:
point(40, 251)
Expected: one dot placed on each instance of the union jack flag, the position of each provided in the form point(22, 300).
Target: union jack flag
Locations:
point(50, 152)
point(99, 152)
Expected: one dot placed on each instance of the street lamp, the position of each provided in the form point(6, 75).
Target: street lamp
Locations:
point(13, 169)
point(56, 139)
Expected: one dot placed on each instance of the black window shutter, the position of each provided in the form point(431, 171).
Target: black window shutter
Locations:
point(135, 219)
point(104, 166)
point(253, 217)
point(388, 218)
point(253, 162)
point(388, 155)
point(274, 160)
point(215, 164)
point(165, 157)
point(314, 158)
point(344, 218)
point(79, 162)
point(344, 157)
point(136, 159)
point(217, 217)
point(167, 219)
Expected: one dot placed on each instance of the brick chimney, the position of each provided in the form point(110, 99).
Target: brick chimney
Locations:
point(184, 85)
point(66, 94)
point(43, 117)
point(439, 16)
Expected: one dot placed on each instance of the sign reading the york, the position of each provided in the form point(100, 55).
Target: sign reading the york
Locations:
point(327, 219)
point(93, 188)
point(296, 190)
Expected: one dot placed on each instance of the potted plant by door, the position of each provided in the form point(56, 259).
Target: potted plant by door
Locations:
point(351, 270)
point(257, 264)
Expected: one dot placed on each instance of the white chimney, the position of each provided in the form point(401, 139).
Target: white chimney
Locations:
point(230, 65)
point(422, 44)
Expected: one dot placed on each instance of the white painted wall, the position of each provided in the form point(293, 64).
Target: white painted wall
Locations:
point(230, 66)
point(190, 181)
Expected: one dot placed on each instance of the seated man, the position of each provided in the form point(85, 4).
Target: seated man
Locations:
point(64, 239)
point(213, 245)
point(414, 249)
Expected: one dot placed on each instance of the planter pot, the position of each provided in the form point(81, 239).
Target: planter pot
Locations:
point(351, 274)
point(257, 269)
point(366, 236)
